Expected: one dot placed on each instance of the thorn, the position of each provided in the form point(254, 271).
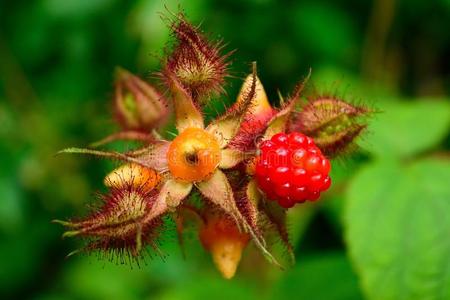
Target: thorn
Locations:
point(61, 222)
point(70, 233)
point(72, 253)
point(280, 96)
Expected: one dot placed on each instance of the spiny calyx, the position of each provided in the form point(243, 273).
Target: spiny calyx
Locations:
point(121, 225)
point(196, 62)
point(332, 123)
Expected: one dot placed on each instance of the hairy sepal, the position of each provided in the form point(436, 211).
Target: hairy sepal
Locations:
point(173, 192)
point(196, 62)
point(231, 158)
point(276, 217)
point(153, 156)
point(255, 111)
point(247, 201)
point(228, 127)
point(217, 189)
point(280, 121)
point(187, 114)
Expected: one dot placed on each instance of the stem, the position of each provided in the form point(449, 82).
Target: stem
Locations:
point(123, 135)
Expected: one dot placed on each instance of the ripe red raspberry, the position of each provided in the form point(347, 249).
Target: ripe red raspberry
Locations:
point(291, 169)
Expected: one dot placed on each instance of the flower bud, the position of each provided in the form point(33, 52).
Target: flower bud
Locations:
point(138, 105)
point(332, 123)
point(196, 62)
point(220, 236)
point(121, 226)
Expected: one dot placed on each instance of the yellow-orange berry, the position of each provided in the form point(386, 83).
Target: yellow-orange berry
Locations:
point(134, 175)
point(193, 155)
point(222, 238)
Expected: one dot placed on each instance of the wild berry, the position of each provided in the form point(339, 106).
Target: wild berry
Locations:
point(193, 155)
point(221, 159)
point(220, 236)
point(291, 169)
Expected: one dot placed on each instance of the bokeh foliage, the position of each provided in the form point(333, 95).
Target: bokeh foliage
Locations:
point(383, 230)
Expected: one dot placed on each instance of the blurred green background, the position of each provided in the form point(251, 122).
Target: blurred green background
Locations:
point(383, 230)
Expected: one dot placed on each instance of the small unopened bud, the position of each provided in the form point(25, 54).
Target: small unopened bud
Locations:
point(332, 123)
point(220, 236)
point(138, 105)
point(195, 61)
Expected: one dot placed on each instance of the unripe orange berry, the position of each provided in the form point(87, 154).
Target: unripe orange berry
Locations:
point(222, 238)
point(134, 175)
point(193, 155)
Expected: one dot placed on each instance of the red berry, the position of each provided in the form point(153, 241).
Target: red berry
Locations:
point(280, 139)
point(296, 139)
point(291, 169)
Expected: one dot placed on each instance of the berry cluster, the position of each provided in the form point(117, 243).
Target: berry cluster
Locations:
point(291, 169)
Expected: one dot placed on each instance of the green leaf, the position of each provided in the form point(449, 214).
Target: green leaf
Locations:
point(320, 277)
point(90, 278)
point(12, 213)
point(404, 129)
point(335, 28)
point(211, 287)
point(398, 229)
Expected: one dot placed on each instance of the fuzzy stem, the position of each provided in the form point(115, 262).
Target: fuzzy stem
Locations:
point(123, 135)
point(105, 154)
